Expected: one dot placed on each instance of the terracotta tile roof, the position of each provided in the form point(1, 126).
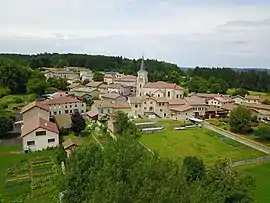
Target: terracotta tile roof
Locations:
point(59, 94)
point(104, 86)
point(62, 100)
point(195, 100)
point(63, 121)
point(40, 105)
point(252, 97)
point(134, 100)
point(182, 108)
point(163, 85)
point(34, 124)
point(91, 114)
point(71, 142)
point(111, 95)
point(207, 96)
point(229, 106)
point(256, 106)
point(176, 101)
point(108, 104)
point(93, 84)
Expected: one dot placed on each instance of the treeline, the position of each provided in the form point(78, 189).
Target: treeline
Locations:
point(247, 79)
point(157, 69)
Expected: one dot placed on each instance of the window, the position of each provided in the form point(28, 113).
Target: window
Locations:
point(70, 106)
point(144, 102)
point(29, 143)
point(169, 94)
point(70, 111)
point(66, 111)
point(151, 102)
point(59, 112)
point(140, 86)
point(75, 105)
point(140, 94)
point(144, 108)
point(150, 108)
point(177, 96)
point(55, 112)
point(66, 106)
point(82, 104)
point(136, 106)
point(82, 111)
point(186, 114)
point(165, 114)
point(161, 110)
point(158, 95)
point(51, 140)
point(39, 133)
point(101, 111)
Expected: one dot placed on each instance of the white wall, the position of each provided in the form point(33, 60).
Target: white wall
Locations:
point(41, 142)
point(58, 109)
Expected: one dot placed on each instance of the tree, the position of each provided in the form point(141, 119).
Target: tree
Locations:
point(240, 119)
point(59, 83)
point(60, 155)
point(85, 82)
point(36, 85)
point(78, 123)
point(4, 91)
point(266, 102)
point(194, 168)
point(198, 84)
point(6, 123)
point(125, 171)
point(263, 132)
point(224, 184)
point(123, 126)
point(242, 92)
point(98, 76)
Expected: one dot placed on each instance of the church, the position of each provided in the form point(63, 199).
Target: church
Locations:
point(156, 89)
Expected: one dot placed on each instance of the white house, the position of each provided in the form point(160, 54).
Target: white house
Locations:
point(37, 131)
point(38, 134)
point(238, 99)
point(252, 99)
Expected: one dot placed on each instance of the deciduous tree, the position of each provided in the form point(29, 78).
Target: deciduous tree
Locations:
point(78, 123)
point(240, 119)
point(98, 76)
point(263, 132)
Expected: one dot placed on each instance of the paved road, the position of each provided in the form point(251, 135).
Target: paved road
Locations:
point(239, 138)
point(251, 161)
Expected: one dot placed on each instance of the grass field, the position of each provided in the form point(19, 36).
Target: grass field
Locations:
point(15, 177)
point(261, 173)
point(200, 142)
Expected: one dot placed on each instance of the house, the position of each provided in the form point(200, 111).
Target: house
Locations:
point(199, 105)
point(58, 94)
point(183, 112)
point(261, 110)
point(238, 99)
point(60, 73)
point(37, 131)
point(65, 105)
point(91, 115)
point(35, 110)
point(103, 88)
point(94, 84)
point(108, 107)
point(114, 97)
point(129, 80)
point(252, 99)
point(149, 106)
point(156, 89)
point(86, 75)
point(219, 101)
point(70, 145)
point(116, 88)
point(73, 86)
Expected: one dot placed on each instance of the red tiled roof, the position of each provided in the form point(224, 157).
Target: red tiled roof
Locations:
point(91, 113)
point(111, 95)
point(59, 94)
point(62, 100)
point(116, 105)
point(71, 142)
point(229, 106)
point(40, 105)
point(182, 108)
point(163, 85)
point(195, 100)
point(34, 124)
point(177, 101)
point(93, 84)
point(252, 97)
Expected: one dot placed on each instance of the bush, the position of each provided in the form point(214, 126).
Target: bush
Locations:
point(18, 100)
point(263, 132)
point(3, 105)
point(63, 131)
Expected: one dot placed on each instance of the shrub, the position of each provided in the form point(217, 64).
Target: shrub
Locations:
point(263, 132)
point(18, 100)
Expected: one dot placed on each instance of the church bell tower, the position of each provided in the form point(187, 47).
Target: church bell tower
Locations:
point(142, 79)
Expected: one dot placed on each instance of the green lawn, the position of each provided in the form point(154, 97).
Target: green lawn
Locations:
point(200, 142)
point(261, 173)
point(9, 156)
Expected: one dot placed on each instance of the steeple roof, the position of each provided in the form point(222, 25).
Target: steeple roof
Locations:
point(142, 68)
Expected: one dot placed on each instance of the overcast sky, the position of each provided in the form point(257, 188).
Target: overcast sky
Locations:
point(230, 33)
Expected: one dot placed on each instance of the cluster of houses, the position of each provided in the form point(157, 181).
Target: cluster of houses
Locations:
point(133, 95)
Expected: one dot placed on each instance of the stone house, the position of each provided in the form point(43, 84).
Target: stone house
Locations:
point(182, 113)
point(113, 97)
point(252, 99)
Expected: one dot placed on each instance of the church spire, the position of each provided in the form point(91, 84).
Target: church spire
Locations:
point(142, 64)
